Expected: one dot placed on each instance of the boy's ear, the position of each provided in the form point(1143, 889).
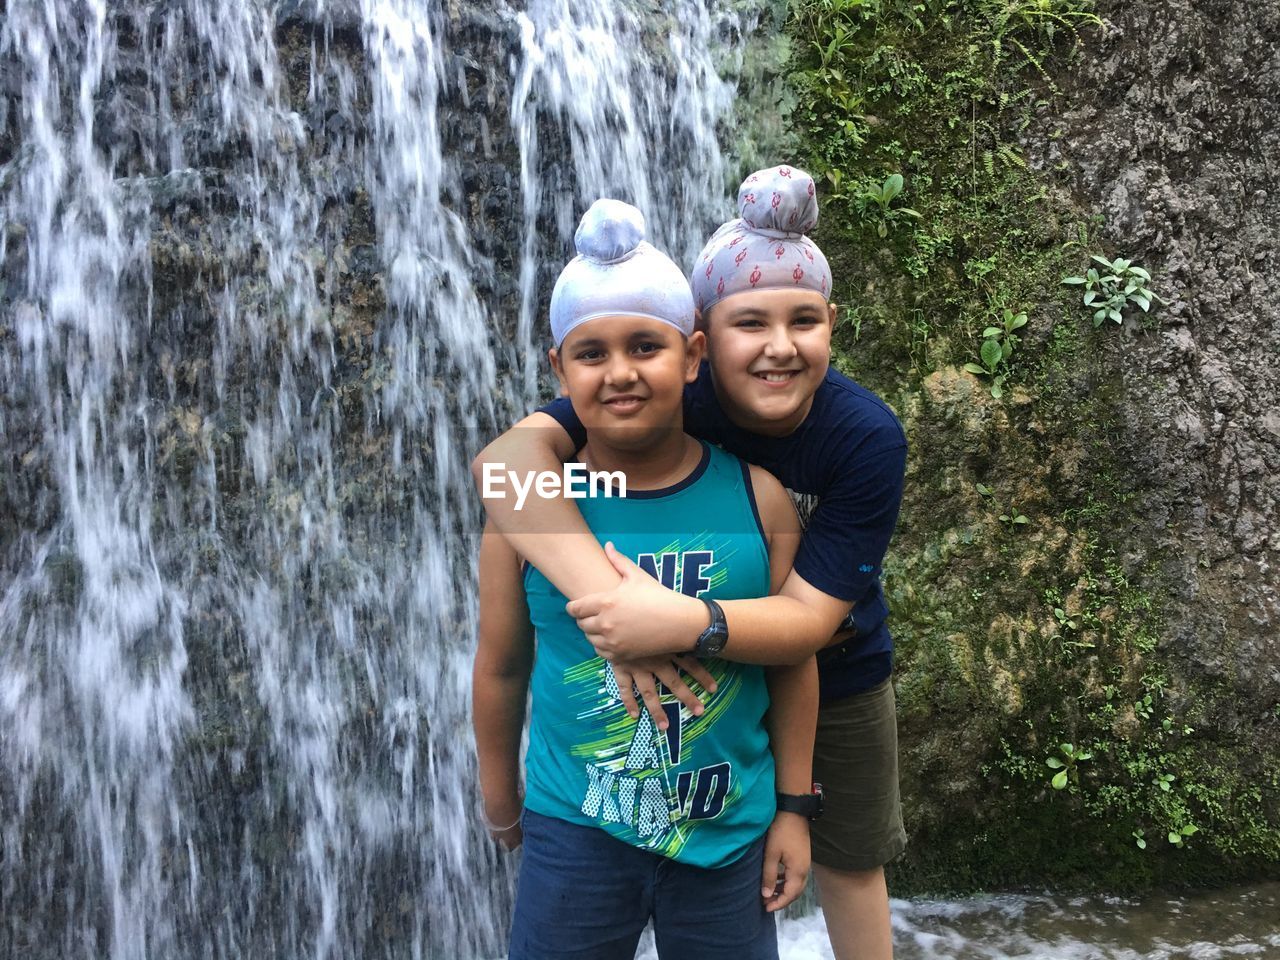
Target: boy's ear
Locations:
point(831, 315)
point(695, 348)
point(554, 357)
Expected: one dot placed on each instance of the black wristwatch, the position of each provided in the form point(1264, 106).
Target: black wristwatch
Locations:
point(808, 805)
point(712, 640)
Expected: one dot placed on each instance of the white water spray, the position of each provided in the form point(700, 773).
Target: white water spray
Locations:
point(253, 322)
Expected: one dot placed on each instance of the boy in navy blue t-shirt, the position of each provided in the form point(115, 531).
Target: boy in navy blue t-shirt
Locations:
point(768, 395)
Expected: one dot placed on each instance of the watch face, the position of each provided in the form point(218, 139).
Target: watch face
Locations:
point(713, 639)
point(715, 642)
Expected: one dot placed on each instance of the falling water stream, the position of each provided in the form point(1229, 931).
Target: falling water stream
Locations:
point(268, 271)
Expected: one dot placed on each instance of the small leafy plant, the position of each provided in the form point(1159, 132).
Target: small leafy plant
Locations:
point(1013, 518)
point(999, 342)
point(877, 202)
point(1010, 515)
point(1068, 629)
point(1109, 292)
point(830, 77)
point(1145, 707)
point(1168, 726)
point(1068, 765)
point(1064, 620)
point(1177, 836)
point(993, 366)
point(839, 42)
point(853, 318)
point(1004, 333)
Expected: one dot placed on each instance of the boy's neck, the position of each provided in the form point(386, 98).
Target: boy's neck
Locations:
point(668, 460)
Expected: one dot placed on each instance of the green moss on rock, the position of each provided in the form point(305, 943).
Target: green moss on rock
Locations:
point(1014, 637)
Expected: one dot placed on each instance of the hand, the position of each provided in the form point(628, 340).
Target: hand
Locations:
point(645, 674)
point(786, 861)
point(502, 818)
point(639, 617)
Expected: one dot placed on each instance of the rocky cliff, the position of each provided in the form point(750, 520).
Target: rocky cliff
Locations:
point(1084, 582)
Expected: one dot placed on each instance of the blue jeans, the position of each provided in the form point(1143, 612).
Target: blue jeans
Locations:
point(585, 896)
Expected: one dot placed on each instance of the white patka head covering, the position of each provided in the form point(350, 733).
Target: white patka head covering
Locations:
point(766, 247)
point(616, 273)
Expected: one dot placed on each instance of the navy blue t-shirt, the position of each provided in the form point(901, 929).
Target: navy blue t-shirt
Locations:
point(847, 459)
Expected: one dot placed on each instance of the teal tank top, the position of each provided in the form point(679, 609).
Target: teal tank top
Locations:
point(702, 791)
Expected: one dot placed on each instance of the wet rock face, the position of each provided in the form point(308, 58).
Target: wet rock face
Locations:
point(295, 271)
point(1175, 140)
point(221, 227)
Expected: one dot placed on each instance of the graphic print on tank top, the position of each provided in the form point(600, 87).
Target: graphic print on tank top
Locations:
point(633, 771)
point(700, 792)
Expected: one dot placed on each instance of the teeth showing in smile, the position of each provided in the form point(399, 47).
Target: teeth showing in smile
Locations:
point(781, 377)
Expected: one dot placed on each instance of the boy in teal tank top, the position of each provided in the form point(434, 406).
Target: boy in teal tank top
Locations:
point(588, 762)
point(626, 819)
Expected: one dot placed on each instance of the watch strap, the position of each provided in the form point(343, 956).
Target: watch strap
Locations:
point(808, 805)
point(712, 640)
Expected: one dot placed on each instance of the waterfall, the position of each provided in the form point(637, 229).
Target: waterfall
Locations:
point(269, 271)
point(592, 67)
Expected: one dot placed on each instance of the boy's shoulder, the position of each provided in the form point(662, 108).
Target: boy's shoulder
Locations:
point(761, 484)
point(843, 404)
point(725, 463)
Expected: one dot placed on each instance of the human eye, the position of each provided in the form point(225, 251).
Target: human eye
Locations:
point(589, 355)
point(646, 347)
point(748, 323)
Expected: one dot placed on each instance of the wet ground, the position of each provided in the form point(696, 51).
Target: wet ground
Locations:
point(1239, 922)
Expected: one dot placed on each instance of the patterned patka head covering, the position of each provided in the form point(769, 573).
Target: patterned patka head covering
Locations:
point(617, 273)
point(766, 247)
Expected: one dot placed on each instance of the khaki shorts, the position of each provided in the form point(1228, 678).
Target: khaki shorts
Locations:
point(855, 758)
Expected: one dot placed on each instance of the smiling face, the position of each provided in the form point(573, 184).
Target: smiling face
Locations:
point(769, 350)
point(625, 377)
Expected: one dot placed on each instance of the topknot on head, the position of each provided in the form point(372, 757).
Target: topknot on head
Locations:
point(766, 248)
point(618, 274)
point(779, 202)
point(610, 231)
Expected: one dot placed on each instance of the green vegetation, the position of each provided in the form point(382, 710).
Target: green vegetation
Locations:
point(875, 203)
point(1108, 293)
point(1037, 697)
point(1007, 515)
point(1067, 766)
point(997, 348)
